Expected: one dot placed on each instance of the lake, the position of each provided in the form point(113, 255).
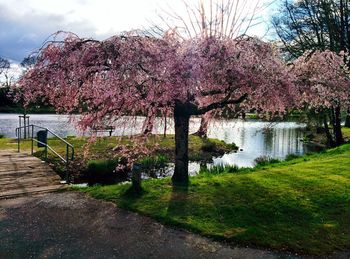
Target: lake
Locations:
point(254, 138)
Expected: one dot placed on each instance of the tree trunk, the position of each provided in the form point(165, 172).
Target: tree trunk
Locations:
point(244, 115)
point(338, 135)
point(332, 117)
point(347, 120)
point(182, 121)
point(203, 128)
point(330, 141)
point(148, 124)
point(165, 126)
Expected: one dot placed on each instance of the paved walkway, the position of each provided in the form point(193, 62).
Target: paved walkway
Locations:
point(25, 175)
point(73, 225)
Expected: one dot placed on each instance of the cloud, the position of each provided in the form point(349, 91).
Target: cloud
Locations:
point(25, 24)
point(21, 34)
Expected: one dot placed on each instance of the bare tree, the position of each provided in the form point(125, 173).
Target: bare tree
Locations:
point(28, 62)
point(4, 65)
point(4, 72)
point(213, 18)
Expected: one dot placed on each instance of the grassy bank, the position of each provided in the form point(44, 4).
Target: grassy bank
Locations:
point(301, 205)
point(102, 148)
point(102, 152)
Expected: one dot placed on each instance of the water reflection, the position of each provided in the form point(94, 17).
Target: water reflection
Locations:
point(255, 138)
point(260, 139)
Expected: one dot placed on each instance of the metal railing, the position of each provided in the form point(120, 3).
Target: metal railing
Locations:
point(69, 150)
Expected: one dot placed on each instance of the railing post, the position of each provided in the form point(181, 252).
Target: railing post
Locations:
point(32, 139)
point(67, 163)
point(67, 153)
point(18, 140)
point(28, 125)
point(46, 147)
point(24, 129)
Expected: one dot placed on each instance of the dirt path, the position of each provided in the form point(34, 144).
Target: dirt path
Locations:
point(72, 225)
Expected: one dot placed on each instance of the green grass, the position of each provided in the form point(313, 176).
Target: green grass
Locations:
point(298, 205)
point(346, 132)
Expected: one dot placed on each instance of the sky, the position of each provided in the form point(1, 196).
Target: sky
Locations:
point(25, 24)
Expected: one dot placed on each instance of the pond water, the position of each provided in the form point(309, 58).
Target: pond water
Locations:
point(254, 138)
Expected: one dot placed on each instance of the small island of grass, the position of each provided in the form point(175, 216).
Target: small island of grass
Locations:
point(101, 151)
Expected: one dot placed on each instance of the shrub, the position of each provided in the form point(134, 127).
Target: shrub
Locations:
point(104, 171)
point(152, 165)
point(214, 145)
point(219, 169)
point(147, 163)
point(154, 162)
point(232, 169)
point(2, 136)
point(208, 146)
point(291, 157)
point(265, 160)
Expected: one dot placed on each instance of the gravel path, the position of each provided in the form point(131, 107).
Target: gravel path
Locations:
point(73, 225)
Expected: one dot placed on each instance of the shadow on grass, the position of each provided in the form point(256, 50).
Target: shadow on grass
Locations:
point(178, 203)
point(134, 193)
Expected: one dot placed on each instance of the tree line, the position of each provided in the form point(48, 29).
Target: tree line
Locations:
point(316, 25)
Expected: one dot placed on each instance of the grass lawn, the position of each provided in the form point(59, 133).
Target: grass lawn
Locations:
point(301, 205)
point(346, 132)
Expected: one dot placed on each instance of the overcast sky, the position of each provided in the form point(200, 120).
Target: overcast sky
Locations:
point(25, 24)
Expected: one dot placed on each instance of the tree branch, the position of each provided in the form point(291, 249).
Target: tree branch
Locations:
point(221, 104)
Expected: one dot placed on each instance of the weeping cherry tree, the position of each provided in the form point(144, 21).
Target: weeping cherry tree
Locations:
point(123, 75)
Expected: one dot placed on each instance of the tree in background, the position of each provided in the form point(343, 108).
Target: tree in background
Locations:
point(323, 80)
point(314, 25)
point(4, 65)
point(28, 62)
point(4, 84)
point(11, 73)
